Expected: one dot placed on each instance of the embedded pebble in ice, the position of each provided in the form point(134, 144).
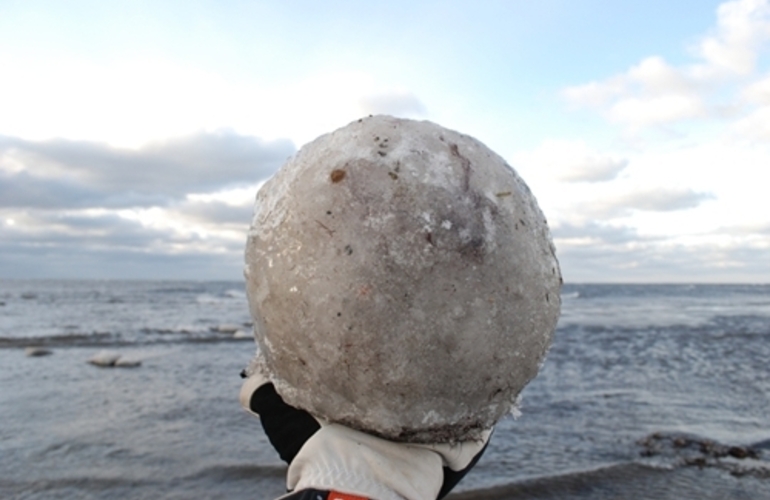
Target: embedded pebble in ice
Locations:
point(402, 281)
point(34, 352)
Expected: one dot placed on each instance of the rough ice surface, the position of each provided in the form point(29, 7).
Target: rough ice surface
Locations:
point(402, 281)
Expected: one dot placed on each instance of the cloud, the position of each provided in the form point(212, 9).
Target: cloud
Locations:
point(744, 230)
point(755, 126)
point(742, 27)
point(397, 103)
point(593, 232)
point(649, 110)
point(64, 173)
point(100, 229)
point(650, 77)
point(131, 101)
point(650, 93)
point(663, 200)
point(154, 231)
point(568, 161)
point(216, 213)
point(660, 260)
point(683, 209)
point(21, 261)
point(654, 93)
point(24, 190)
point(758, 92)
point(657, 199)
point(594, 169)
point(189, 197)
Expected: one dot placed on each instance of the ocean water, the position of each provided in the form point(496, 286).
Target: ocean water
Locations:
point(649, 391)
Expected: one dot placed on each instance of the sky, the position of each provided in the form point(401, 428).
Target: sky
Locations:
point(135, 135)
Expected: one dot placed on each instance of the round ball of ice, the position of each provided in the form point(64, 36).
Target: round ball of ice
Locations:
point(402, 281)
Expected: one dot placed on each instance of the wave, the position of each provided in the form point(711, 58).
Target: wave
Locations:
point(72, 339)
point(110, 340)
point(620, 480)
point(221, 481)
point(627, 481)
point(76, 487)
point(671, 466)
point(241, 471)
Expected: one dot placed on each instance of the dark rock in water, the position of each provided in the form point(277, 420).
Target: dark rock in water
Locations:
point(660, 444)
point(742, 452)
point(34, 352)
point(692, 450)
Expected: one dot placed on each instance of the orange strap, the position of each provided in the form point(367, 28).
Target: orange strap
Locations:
point(336, 495)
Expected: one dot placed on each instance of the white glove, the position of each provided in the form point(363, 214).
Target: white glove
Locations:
point(326, 456)
point(339, 458)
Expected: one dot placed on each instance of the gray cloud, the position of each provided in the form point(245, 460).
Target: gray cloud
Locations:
point(76, 245)
point(20, 189)
point(46, 185)
point(217, 212)
point(593, 251)
point(650, 200)
point(740, 229)
point(81, 262)
point(51, 229)
point(665, 200)
point(403, 104)
point(650, 263)
point(77, 173)
point(596, 232)
point(595, 170)
point(58, 202)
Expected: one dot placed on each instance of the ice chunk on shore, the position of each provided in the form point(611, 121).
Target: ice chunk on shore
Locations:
point(226, 328)
point(104, 358)
point(34, 352)
point(112, 359)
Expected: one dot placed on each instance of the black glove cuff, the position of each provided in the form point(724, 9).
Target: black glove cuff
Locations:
point(452, 477)
point(286, 427)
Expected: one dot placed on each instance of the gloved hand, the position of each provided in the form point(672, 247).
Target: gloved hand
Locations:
point(325, 457)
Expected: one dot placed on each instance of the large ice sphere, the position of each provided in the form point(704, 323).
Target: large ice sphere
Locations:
point(402, 281)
